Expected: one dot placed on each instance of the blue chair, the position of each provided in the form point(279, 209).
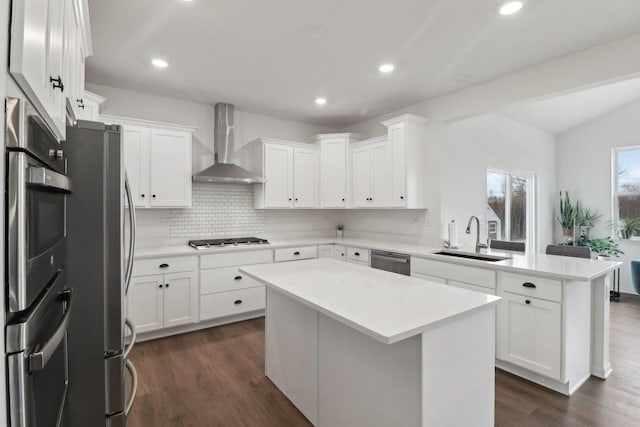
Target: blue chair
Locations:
point(635, 274)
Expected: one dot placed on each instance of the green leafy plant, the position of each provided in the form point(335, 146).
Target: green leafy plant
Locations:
point(605, 246)
point(587, 217)
point(568, 212)
point(628, 227)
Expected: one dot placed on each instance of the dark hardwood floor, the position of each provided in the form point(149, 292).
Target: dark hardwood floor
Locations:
point(215, 377)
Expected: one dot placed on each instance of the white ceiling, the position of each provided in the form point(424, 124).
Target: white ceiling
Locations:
point(259, 56)
point(561, 113)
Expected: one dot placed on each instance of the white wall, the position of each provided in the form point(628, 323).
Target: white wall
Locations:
point(492, 141)
point(584, 168)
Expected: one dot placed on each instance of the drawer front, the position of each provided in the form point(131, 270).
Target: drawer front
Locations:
point(471, 287)
point(358, 254)
point(223, 280)
point(325, 251)
point(147, 267)
point(536, 287)
point(294, 254)
point(457, 272)
point(236, 258)
point(223, 304)
point(429, 278)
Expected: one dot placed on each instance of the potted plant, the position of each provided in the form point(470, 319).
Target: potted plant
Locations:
point(604, 247)
point(568, 214)
point(585, 220)
point(628, 227)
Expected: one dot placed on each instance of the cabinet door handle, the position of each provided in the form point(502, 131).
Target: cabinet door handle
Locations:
point(343, 199)
point(296, 199)
point(237, 278)
point(153, 195)
point(57, 83)
point(527, 301)
point(401, 197)
point(529, 285)
point(238, 302)
point(166, 286)
point(142, 195)
point(160, 285)
point(164, 266)
point(296, 253)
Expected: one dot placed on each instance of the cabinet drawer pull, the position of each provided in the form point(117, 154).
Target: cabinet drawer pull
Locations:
point(166, 286)
point(237, 278)
point(529, 285)
point(527, 301)
point(160, 285)
point(164, 266)
point(296, 253)
point(356, 253)
point(238, 302)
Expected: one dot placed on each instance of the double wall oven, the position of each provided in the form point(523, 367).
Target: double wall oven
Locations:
point(38, 298)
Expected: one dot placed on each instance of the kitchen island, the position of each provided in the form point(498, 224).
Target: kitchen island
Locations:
point(349, 346)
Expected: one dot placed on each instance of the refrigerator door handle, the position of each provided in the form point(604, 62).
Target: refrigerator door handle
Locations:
point(40, 358)
point(132, 234)
point(134, 335)
point(134, 386)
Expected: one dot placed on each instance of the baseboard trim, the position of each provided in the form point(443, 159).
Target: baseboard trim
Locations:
point(563, 388)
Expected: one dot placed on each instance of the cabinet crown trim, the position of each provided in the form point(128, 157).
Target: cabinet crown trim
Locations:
point(274, 141)
point(94, 97)
point(381, 138)
point(321, 136)
point(147, 123)
point(405, 118)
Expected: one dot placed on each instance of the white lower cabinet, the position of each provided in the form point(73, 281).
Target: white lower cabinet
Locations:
point(163, 301)
point(295, 254)
point(530, 334)
point(339, 253)
point(224, 290)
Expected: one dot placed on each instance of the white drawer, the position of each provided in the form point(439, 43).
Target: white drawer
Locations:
point(230, 259)
point(294, 254)
point(536, 287)
point(358, 254)
point(325, 251)
point(339, 253)
point(471, 287)
point(149, 266)
point(429, 278)
point(223, 304)
point(224, 279)
point(358, 262)
point(457, 272)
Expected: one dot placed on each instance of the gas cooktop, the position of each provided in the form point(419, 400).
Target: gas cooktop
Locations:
point(222, 243)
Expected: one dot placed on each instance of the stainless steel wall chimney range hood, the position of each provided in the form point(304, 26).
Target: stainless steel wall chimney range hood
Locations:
point(223, 171)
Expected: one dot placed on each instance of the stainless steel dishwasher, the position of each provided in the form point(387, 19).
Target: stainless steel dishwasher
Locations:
point(391, 261)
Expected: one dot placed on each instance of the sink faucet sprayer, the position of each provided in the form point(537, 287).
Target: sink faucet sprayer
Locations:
point(468, 231)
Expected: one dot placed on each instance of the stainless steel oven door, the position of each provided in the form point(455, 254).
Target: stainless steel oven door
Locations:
point(36, 227)
point(37, 360)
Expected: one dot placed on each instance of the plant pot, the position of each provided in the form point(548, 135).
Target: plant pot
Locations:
point(624, 234)
point(603, 258)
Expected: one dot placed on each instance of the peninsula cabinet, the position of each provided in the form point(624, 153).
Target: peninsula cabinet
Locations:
point(166, 298)
point(157, 159)
point(406, 135)
point(334, 168)
point(291, 173)
point(371, 183)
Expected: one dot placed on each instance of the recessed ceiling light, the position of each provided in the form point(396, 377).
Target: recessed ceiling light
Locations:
point(386, 68)
point(321, 101)
point(510, 7)
point(160, 63)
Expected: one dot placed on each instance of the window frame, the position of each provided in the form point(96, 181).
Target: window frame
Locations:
point(615, 212)
point(531, 222)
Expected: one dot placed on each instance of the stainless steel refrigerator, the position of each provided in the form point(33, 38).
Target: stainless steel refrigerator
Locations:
point(100, 247)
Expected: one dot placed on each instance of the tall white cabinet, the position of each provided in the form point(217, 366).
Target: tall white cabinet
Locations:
point(291, 173)
point(49, 42)
point(157, 159)
point(371, 171)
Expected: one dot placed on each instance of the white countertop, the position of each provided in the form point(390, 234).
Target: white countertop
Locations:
point(386, 306)
point(553, 266)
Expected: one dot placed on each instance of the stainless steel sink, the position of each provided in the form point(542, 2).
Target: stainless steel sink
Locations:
point(471, 255)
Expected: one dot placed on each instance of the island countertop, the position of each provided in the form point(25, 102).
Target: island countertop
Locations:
point(385, 306)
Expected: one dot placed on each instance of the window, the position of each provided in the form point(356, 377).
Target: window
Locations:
point(510, 197)
point(626, 183)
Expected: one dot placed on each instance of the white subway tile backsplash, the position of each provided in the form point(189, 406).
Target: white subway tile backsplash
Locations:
point(218, 209)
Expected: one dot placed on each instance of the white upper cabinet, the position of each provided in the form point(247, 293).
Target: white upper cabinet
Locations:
point(291, 173)
point(45, 58)
point(370, 176)
point(305, 177)
point(157, 159)
point(334, 168)
point(89, 106)
point(406, 135)
point(170, 166)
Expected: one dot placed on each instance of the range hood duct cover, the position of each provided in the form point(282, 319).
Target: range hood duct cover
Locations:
point(224, 171)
